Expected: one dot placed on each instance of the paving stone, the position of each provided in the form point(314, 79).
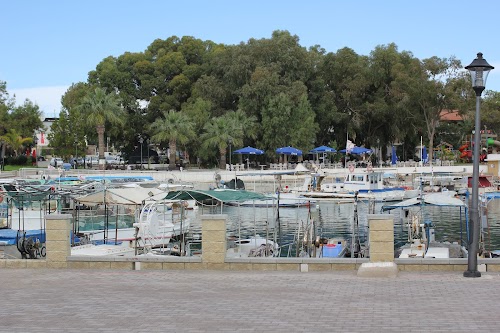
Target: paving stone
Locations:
point(113, 300)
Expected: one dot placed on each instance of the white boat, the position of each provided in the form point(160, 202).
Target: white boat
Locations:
point(101, 250)
point(363, 184)
point(131, 215)
point(252, 247)
point(421, 235)
point(156, 225)
point(170, 216)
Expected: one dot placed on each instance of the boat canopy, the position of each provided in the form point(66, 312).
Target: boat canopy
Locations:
point(120, 196)
point(434, 199)
point(222, 195)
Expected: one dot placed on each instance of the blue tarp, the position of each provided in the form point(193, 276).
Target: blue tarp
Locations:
point(9, 236)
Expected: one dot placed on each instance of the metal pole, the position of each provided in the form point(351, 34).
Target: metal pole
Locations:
point(473, 240)
point(141, 140)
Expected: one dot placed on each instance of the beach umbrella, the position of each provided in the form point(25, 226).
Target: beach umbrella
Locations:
point(323, 149)
point(424, 155)
point(249, 151)
point(289, 151)
point(394, 157)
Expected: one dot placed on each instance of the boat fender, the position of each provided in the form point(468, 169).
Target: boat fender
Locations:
point(1, 194)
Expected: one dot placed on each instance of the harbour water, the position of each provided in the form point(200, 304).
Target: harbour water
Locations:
point(334, 219)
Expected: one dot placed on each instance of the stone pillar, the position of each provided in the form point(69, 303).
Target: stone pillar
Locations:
point(381, 237)
point(57, 239)
point(213, 236)
point(381, 248)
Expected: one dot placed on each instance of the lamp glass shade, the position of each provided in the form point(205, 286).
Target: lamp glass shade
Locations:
point(479, 70)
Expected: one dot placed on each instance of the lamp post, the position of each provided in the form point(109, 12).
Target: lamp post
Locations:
point(479, 70)
point(230, 163)
point(141, 140)
point(147, 146)
point(75, 161)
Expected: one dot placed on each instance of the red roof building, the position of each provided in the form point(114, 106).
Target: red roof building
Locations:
point(450, 115)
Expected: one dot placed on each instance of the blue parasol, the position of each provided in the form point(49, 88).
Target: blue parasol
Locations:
point(289, 151)
point(358, 151)
point(323, 149)
point(394, 157)
point(424, 155)
point(249, 151)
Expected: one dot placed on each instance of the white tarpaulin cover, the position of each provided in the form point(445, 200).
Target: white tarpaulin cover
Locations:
point(120, 196)
point(436, 199)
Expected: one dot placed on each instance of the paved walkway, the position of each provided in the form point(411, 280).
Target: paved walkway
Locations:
point(215, 301)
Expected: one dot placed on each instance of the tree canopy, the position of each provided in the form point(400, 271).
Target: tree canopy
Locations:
point(273, 92)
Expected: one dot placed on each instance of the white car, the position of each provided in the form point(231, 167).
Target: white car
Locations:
point(56, 162)
point(114, 160)
point(91, 160)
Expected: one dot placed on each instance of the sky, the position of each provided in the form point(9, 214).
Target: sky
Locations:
point(48, 45)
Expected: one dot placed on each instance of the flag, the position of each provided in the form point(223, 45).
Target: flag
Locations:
point(349, 146)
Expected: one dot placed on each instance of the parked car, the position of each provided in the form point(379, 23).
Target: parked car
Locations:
point(78, 160)
point(56, 162)
point(91, 161)
point(114, 160)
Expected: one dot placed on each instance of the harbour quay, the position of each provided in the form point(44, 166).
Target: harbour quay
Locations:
point(95, 300)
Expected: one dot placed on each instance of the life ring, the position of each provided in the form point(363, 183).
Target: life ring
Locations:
point(369, 168)
point(351, 168)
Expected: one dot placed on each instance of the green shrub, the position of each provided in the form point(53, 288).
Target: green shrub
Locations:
point(21, 160)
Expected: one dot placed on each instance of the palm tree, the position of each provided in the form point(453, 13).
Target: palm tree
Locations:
point(174, 127)
point(219, 132)
point(246, 125)
point(15, 141)
point(98, 108)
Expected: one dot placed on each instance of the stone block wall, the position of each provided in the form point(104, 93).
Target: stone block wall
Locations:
point(213, 234)
point(381, 237)
point(58, 242)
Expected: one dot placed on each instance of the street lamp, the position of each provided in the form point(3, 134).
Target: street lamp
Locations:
point(230, 163)
point(147, 146)
point(75, 161)
point(141, 140)
point(479, 70)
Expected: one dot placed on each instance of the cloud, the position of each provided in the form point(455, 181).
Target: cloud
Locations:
point(47, 98)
